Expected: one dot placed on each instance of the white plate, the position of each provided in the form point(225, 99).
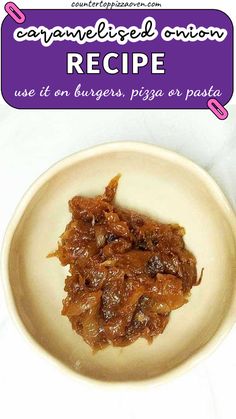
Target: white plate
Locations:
point(156, 182)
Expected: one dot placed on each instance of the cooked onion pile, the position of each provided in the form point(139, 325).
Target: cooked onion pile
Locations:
point(127, 271)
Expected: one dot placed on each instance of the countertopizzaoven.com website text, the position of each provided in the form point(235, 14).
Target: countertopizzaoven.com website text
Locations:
point(114, 4)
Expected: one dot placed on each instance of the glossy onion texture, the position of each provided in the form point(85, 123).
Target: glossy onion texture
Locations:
point(127, 271)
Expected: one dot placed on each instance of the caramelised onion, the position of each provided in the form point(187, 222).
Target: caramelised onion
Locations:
point(100, 233)
point(87, 302)
point(127, 271)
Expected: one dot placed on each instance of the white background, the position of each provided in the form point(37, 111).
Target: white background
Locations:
point(30, 141)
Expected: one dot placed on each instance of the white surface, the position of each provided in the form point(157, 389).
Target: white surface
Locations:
point(30, 141)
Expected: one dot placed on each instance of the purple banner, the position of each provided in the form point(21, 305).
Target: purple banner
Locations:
point(117, 59)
